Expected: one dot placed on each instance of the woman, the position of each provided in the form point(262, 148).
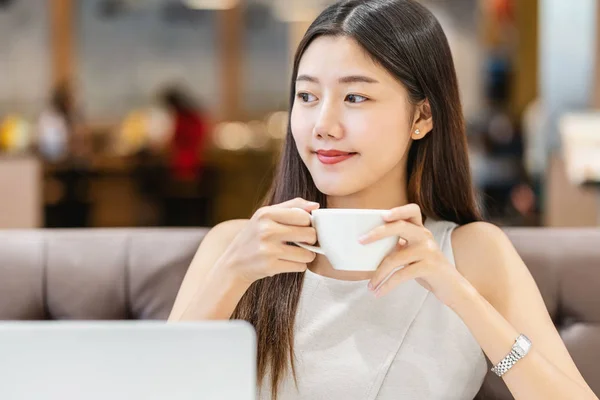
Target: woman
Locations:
point(376, 122)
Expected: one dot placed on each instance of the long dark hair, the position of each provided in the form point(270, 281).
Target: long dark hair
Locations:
point(407, 40)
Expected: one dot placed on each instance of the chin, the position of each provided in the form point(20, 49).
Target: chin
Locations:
point(338, 188)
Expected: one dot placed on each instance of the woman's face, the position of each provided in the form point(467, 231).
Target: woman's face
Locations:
point(351, 119)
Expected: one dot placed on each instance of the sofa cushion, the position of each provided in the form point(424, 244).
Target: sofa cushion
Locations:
point(22, 275)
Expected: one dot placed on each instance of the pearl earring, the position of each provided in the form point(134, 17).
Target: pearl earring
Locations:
point(417, 132)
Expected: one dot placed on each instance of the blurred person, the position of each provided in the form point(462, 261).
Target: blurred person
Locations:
point(61, 140)
point(502, 145)
point(181, 192)
point(190, 128)
point(59, 133)
point(376, 123)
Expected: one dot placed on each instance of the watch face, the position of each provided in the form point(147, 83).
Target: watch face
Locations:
point(522, 345)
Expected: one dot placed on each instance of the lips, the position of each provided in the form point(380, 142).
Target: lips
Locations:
point(330, 157)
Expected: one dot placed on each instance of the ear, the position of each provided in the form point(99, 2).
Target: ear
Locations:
point(422, 122)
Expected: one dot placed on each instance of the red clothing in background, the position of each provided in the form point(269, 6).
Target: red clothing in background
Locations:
point(187, 146)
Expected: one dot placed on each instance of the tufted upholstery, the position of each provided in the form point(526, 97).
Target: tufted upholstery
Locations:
point(93, 274)
point(135, 274)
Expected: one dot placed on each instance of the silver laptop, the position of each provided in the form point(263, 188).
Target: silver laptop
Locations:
point(127, 361)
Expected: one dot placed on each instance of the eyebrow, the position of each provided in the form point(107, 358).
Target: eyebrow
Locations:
point(344, 79)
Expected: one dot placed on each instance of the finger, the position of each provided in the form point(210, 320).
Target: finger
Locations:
point(404, 229)
point(298, 203)
point(404, 275)
point(284, 266)
point(296, 254)
point(409, 212)
point(286, 216)
point(395, 261)
point(303, 234)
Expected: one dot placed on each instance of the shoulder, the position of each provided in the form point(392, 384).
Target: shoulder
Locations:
point(485, 256)
point(478, 233)
point(214, 244)
point(222, 234)
point(228, 228)
point(212, 247)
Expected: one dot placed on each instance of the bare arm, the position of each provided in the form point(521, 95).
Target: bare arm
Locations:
point(237, 253)
point(507, 302)
point(209, 289)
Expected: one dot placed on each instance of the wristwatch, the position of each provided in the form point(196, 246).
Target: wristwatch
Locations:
point(519, 350)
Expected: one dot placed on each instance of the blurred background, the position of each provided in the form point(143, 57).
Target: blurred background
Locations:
point(121, 113)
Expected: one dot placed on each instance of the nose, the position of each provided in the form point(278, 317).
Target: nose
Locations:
point(328, 124)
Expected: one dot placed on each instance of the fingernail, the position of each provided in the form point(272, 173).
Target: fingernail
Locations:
point(387, 214)
point(370, 285)
point(363, 238)
point(402, 241)
point(378, 294)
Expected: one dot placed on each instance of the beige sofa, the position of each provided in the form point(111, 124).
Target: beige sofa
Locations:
point(135, 274)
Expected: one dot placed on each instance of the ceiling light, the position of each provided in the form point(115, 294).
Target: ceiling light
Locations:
point(211, 4)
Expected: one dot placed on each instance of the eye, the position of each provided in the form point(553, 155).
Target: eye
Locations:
point(306, 97)
point(355, 98)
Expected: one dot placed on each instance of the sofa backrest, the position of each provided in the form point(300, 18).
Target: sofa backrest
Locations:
point(93, 274)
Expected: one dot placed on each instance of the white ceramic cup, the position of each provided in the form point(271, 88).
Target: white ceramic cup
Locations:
point(338, 232)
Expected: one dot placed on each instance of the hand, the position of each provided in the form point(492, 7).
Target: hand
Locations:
point(417, 256)
point(261, 249)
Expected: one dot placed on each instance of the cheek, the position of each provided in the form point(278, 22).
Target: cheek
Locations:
point(302, 127)
point(382, 138)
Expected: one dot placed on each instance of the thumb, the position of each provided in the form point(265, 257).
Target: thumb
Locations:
point(298, 202)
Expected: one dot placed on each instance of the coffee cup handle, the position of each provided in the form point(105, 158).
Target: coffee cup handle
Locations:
point(314, 249)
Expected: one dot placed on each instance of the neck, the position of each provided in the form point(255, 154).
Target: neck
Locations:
point(389, 192)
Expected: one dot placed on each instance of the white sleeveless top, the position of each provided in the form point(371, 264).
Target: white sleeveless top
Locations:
point(406, 345)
